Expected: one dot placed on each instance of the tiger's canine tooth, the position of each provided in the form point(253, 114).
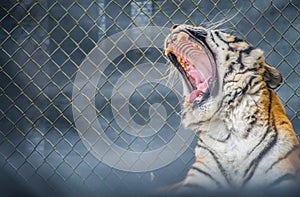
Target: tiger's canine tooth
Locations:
point(200, 48)
point(180, 60)
point(169, 50)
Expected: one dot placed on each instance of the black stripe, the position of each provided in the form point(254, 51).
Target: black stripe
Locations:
point(231, 49)
point(202, 163)
point(253, 121)
point(236, 39)
point(253, 165)
point(270, 106)
point(218, 35)
point(231, 81)
point(214, 41)
point(247, 70)
point(197, 123)
point(200, 140)
point(266, 133)
point(258, 90)
point(207, 174)
point(245, 51)
point(230, 69)
point(239, 73)
point(226, 42)
point(239, 60)
point(283, 157)
point(248, 50)
point(271, 129)
point(216, 160)
point(282, 122)
point(183, 115)
point(242, 91)
point(285, 177)
point(236, 94)
point(247, 87)
point(253, 117)
point(227, 57)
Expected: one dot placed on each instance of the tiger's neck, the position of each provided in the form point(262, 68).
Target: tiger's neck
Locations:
point(253, 112)
point(240, 118)
point(245, 133)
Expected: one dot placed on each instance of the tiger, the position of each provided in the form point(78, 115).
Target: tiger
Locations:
point(244, 137)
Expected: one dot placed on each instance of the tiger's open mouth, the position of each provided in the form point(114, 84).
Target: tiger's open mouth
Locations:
point(189, 53)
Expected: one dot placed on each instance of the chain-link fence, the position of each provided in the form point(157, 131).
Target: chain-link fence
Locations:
point(85, 104)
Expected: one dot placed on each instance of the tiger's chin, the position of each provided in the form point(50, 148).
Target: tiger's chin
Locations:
point(198, 117)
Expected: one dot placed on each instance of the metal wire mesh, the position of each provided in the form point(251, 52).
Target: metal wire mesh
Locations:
point(45, 42)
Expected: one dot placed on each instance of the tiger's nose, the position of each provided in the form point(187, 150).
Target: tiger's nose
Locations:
point(173, 27)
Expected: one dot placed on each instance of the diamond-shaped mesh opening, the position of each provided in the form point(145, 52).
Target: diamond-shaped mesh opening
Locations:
point(133, 106)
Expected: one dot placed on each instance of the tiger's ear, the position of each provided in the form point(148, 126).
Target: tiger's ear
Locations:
point(272, 77)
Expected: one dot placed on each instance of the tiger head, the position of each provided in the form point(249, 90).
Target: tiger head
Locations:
point(218, 70)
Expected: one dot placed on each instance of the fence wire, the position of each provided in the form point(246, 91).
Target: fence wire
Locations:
point(49, 141)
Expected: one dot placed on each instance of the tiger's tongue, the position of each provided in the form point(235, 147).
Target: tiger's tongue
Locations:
point(196, 94)
point(199, 75)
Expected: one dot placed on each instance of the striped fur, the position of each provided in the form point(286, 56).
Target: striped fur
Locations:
point(245, 139)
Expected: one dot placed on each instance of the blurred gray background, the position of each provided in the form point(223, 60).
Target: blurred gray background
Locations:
point(44, 42)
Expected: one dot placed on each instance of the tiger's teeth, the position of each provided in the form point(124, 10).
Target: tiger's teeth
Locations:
point(168, 50)
point(182, 63)
point(197, 46)
point(200, 48)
